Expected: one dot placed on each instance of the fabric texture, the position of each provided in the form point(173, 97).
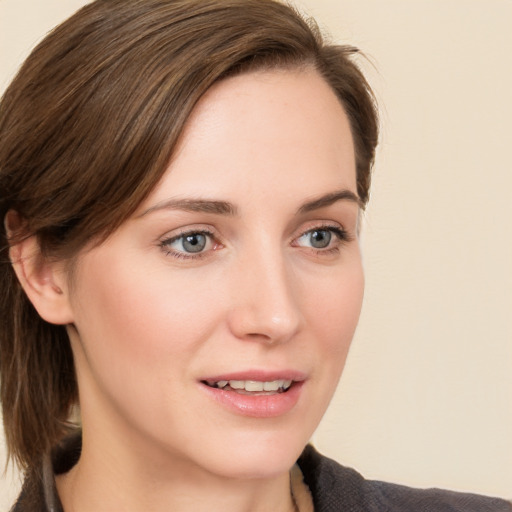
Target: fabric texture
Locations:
point(334, 488)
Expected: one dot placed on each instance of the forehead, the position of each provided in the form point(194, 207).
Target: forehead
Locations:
point(277, 129)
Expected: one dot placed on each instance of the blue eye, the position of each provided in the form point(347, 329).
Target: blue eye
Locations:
point(322, 238)
point(194, 242)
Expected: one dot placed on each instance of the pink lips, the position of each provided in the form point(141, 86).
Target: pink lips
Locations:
point(257, 405)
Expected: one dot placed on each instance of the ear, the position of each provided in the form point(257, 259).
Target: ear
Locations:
point(44, 281)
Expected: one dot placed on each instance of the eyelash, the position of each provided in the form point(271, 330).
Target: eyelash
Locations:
point(340, 234)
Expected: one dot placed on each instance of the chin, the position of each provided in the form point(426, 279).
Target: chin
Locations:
point(253, 456)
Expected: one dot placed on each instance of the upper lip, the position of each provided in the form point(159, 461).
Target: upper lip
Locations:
point(258, 375)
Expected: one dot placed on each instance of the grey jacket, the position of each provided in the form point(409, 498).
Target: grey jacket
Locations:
point(336, 488)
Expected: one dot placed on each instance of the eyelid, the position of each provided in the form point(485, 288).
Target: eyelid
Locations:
point(177, 233)
point(328, 225)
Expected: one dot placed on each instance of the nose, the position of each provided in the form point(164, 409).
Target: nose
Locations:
point(264, 306)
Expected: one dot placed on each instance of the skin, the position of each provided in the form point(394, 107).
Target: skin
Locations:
point(148, 321)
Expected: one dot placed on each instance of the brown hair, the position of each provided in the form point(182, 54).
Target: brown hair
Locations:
point(87, 129)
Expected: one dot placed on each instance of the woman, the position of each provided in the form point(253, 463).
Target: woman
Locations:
point(181, 191)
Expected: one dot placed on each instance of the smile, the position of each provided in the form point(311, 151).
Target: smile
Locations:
point(256, 394)
point(252, 386)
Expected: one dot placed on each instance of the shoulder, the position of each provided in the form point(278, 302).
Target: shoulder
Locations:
point(335, 487)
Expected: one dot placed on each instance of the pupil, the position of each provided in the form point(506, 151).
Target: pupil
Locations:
point(320, 239)
point(194, 243)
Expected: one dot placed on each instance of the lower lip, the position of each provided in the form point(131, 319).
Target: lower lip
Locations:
point(257, 406)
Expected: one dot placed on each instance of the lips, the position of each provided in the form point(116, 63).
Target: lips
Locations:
point(256, 394)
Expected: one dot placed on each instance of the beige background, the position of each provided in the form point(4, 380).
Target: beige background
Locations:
point(426, 398)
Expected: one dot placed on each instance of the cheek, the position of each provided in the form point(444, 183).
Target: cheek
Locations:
point(138, 328)
point(333, 316)
point(335, 306)
point(139, 308)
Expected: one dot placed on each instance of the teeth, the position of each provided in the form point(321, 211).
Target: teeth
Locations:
point(272, 386)
point(254, 385)
point(237, 384)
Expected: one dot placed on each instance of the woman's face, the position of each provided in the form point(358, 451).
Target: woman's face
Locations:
point(240, 273)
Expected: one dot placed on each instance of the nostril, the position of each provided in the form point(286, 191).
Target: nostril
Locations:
point(256, 328)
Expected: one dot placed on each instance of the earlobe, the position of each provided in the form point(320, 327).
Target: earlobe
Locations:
point(44, 281)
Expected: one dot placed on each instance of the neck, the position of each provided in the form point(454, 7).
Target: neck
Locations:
point(105, 480)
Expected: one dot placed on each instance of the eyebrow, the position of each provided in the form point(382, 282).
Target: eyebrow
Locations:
point(226, 208)
point(195, 205)
point(329, 199)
